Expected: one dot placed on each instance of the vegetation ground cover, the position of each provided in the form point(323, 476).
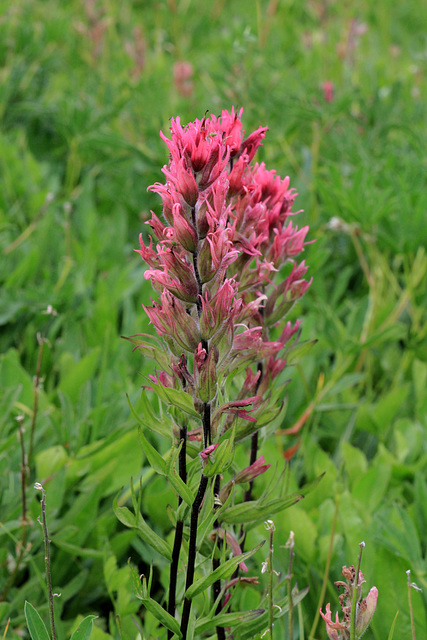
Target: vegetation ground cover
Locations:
point(85, 88)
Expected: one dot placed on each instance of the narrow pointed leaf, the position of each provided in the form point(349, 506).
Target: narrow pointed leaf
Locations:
point(154, 457)
point(161, 615)
point(145, 532)
point(227, 619)
point(255, 510)
point(223, 571)
point(182, 489)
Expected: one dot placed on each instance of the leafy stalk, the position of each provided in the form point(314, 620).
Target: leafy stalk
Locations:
point(355, 594)
point(43, 523)
point(290, 545)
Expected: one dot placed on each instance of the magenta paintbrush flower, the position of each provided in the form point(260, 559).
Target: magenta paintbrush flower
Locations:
point(214, 258)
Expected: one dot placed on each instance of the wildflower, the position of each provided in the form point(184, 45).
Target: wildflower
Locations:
point(205, 375)
point(253, 471)
point(365, 608)
point(205, 454)
point(328, 91)
point(365, 611)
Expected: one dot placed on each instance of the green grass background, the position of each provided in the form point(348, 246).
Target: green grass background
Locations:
point(85, 88)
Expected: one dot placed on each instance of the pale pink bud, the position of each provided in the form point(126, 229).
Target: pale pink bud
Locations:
point(365, 611)
point(253, 471)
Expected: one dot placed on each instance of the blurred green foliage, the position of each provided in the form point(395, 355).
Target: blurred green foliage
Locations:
point(85, 87)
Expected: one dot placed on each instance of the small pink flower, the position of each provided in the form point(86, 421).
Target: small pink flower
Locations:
point(147, 253)
point(183, 77)
point(328, 91)
point(183, 180)
point(185, 233)
point(252, 472)
point(332, 628)
point(238, 408)
point(205, 454)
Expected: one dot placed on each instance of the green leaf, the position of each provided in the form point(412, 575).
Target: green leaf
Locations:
point(297, 351)
point(75, 374)
point(161, 615)
point(154, 457)
point(227, 619)
point(180, 399)
point(145, 532)
point(223, 571)
point(390, 635)
point(84, 629)
point(255, 510)
point(182, 489)
point(148, 419)
point(35, 624)
point(142, 593)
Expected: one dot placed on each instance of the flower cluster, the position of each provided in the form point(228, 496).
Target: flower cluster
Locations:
point(365, 608)
point(226, 232)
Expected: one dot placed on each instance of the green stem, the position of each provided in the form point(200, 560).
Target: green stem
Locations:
point(411, 610)
point(36, 391)
point(326, 573)
point(39, 487)
point(289, 583)
point(354, 595)
point(270, 527)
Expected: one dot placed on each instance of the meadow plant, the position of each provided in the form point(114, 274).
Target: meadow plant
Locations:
point(357, 613)
point(225, 263)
